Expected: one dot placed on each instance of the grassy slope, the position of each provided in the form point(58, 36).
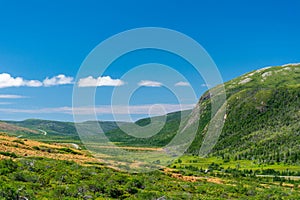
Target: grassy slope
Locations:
point(51, 179)
point(15, 129)
point(11, 147)
point(262, 117)
point(56, 131)
point(162, 138)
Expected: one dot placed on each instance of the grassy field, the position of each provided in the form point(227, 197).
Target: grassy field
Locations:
point(204, 163)
point(38, 170)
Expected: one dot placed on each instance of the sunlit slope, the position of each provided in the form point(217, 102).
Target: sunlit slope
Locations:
point(52, 131)
point(262, 118)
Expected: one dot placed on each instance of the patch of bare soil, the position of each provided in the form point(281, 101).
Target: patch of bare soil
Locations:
point(193, 178)
point(31, 148)
point(9, 127)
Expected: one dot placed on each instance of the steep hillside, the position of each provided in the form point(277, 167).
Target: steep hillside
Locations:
point(262, 116)
point(171, 124)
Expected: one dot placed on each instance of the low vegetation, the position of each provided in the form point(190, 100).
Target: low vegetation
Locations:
point(41, 178)
point(57, 172)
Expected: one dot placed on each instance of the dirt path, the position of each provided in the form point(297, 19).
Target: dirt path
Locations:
point(131, 148)
point(194, 178)
point(31, 148)
point(43, 132)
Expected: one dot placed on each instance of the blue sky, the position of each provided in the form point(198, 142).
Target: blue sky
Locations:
point(42, 40)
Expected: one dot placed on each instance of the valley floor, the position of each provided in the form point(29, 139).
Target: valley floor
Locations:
point(37, 170)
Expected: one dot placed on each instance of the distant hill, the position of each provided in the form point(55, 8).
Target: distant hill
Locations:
point(50, 131)
point(15, 129)
point(171, 124)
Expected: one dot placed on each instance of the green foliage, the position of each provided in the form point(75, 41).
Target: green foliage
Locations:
point(38, 178)
point(9, 154)
point(262, 118)
point(68, 150)
point(64, 132)
point(162, 138)
point(19, 141)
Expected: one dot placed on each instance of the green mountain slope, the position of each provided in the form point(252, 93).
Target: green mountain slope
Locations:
point(171, 124)
point(262, 118)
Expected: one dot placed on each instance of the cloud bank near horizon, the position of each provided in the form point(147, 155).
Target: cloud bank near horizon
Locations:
point(106, 109)
point(11, 96)
point(182, 84)
point(6, 81)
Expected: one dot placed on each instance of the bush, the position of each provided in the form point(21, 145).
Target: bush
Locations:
point(68, 150)
point(8, 154)
point(19, 141)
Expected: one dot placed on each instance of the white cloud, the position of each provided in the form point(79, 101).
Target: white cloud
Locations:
point(5, 103)
point(6, 80)
point(11, 96)
point(205, 85)
point(58, 80)
point(106, 109)
point(100, 81)
point(159, 109)
point(148, 83)
point(34, 83)
point(183, 84)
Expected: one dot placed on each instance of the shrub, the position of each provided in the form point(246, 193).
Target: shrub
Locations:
point(8, 154)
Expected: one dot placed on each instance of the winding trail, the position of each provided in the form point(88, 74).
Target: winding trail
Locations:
point(43, 132)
